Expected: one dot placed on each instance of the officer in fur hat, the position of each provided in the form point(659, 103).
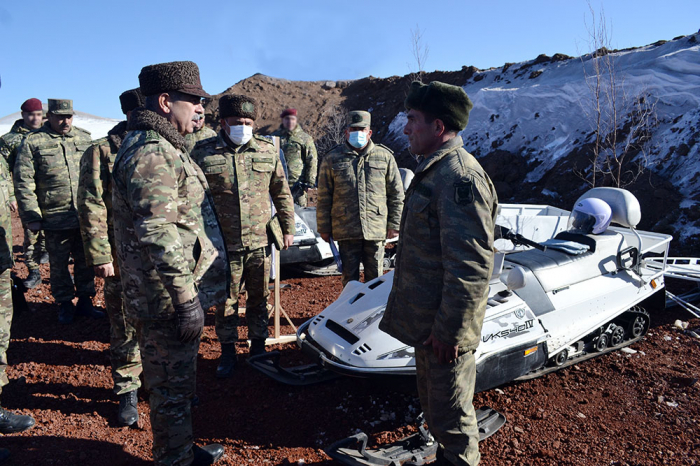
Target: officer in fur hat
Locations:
point(244, 171)
point(443, 265)
point(170, 250)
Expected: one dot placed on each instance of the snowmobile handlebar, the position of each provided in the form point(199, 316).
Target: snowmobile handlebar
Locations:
point(517, 238)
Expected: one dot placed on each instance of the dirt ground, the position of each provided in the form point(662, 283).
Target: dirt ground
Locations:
point(618, 409)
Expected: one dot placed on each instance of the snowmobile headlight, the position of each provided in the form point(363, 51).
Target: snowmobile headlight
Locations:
point(369, 320)
point(401, 353)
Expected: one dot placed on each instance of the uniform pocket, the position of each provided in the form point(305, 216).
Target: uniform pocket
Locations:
point(263, 164)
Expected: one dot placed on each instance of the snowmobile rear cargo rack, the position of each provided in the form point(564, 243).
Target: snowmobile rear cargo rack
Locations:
point(419, 448)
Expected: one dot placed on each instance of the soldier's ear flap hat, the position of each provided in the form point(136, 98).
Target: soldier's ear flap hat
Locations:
point(181, 76)
point(444, 101)
point(131, 99)
point(237, 105)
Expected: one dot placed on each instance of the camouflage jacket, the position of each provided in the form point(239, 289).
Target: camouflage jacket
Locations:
point(300, 152)
point(6, 259)
point(204, 132)
point(445, 252)
point(95, 197)
point(242, 180)
point(169, 244)
point(46, 177)
point(360, 194)
point(9, 146)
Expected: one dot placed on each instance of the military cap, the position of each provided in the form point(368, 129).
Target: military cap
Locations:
point(237, 105)
point(181, 76)
point(360, 119)
point(131, 100)
point(31, 105)
point(61, 107)
point(444, 101)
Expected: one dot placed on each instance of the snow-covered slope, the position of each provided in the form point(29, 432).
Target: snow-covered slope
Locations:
point(98, 126)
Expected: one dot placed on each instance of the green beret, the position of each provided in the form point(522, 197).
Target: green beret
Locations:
point(181, 76)
point(444, 101)
point(131, 99)
point(237, 105)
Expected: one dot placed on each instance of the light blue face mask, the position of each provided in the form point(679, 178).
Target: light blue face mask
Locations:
point(358, 139)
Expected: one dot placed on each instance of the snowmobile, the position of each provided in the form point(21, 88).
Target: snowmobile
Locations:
point(547, 309)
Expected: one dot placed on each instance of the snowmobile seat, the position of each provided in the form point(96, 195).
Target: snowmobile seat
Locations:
point(555, 269)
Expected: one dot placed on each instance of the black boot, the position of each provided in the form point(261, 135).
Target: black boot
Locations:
point(227, 361)
point(13, 423)
point(257, 346)
point(85, 308)
point(66, 313)
point(128, 408)
point(208, 454)
point(33, 279)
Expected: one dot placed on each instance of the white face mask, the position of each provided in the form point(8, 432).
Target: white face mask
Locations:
point(240, 134)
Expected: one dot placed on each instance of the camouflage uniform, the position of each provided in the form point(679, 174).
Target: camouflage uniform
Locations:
point(34, 243)
point(97, 228)
point(242, 180)
point(5, 271)
point(170, 249)
point(360, 197)
point(300, 153)
point(46, 184)
point(200, 134)
point(443, 265)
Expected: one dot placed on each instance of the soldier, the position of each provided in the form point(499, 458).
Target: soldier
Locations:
point(244, 171)
point(170, 250)
point(360, 198)
point(97, 228)
point(46, 184)
point(34, 245)
point(201, 132)
point(443, 265)
point(300, 153)
point(9, 422)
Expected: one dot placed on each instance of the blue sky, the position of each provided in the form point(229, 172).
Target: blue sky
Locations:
point(91, 51)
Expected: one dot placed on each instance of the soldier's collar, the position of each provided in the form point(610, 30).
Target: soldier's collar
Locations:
point(48, 130)
point(223, 142)
point(446, 148)
point(143, 119)
point(351, 150)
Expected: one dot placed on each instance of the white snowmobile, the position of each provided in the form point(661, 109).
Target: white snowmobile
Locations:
point(547, 309)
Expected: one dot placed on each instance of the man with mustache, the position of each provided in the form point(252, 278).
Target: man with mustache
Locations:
point(201, 132)
point(46, 185)
point(170, 250)
point(34, 244)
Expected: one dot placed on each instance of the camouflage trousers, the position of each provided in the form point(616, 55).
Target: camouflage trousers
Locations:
point(356, 251)
point(169, 372)
point(34, 247)
point(5, 322)
point(253, 268)
point(123, 342)
point(446, 392)
point(61, 244)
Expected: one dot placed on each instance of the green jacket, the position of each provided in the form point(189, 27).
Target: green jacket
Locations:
point(360, 194)
point(445, 252)
point(300, 153)
point(46, 177)
point(242, 180)
point(9, 146)
point(6, 259)
point(95, 197)
point(203, 133)
point(169, 244)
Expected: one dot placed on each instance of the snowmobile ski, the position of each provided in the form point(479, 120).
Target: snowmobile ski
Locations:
point(307, 374)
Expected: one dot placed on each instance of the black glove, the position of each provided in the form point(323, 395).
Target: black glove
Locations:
point(190, 320)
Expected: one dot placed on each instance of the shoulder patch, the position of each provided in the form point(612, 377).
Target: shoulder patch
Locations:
point(82, 130)
point(151, 136)
point(267, 139)
point(385, 147)
point(464, 192)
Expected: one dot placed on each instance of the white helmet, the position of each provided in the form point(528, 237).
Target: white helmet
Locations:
point(591, 215)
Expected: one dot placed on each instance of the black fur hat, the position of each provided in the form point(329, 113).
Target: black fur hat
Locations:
point(182, 76)
point(236, 105)
point(131, 99)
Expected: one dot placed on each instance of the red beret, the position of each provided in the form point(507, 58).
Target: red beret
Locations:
point(31, 105)
point(288, 112)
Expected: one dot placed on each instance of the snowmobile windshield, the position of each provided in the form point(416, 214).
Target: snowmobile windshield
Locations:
point(581, 222)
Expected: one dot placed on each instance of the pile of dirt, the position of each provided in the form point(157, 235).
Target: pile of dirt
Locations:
point(637, 408)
